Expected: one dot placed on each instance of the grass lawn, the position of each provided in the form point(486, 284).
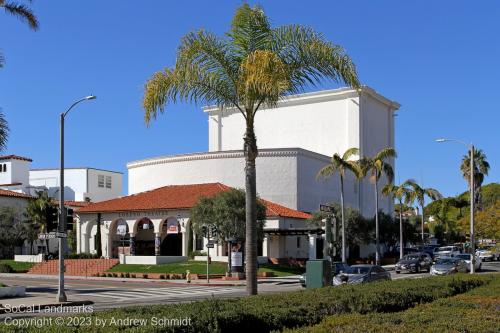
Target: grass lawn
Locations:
point(199, 267)
point(17, 267)
point(195, 267)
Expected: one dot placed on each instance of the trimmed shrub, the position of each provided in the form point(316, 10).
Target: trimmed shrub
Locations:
point(474, 311)
point(4, 268)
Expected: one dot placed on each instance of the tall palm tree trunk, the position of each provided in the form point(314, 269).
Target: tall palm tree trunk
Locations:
point(423, 219)
point(251, 152)
point(342, 212)
point(401, 245)
point(377, 249)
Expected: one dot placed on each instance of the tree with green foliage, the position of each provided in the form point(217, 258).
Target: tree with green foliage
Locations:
point(402, 194)
point(253, 67)
point(481, 168)
point(341, 164)
point(418, 193)
point(12, 231)
point(376, 167)
point(226, 211)
point(358, 229)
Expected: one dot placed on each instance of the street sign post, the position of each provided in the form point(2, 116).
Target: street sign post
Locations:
point(46, 236)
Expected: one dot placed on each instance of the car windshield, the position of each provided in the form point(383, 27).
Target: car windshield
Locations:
point(358, 270)
point(445, 248)
point(411, 257)
point(446, 261)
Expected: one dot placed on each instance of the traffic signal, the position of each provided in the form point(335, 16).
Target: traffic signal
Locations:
point(69, 219)
point(51, 213)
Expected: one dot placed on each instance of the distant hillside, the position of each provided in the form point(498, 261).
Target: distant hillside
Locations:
point(490, 195)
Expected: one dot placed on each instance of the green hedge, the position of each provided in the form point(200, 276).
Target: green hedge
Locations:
point(264, 313)
point(475, 311)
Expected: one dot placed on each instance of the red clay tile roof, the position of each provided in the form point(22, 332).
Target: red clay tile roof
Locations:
point(12, 184)
point(15, 157)
point(7, 193)
point(178, 197)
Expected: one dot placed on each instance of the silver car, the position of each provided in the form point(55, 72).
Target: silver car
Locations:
point(445, 266)
point(467, 258)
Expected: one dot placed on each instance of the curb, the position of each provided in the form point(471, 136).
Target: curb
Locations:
point(39, 307)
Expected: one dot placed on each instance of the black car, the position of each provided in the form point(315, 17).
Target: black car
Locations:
point(414, 263)
point(361, 274)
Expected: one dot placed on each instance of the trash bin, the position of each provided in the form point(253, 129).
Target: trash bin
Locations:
point(318, 273)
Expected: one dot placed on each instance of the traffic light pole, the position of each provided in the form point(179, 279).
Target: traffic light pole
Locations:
point(61, 295)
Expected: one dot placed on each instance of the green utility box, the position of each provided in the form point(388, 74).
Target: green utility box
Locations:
point(318, 273)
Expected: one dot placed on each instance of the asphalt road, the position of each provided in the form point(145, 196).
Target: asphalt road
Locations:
point(112, 294)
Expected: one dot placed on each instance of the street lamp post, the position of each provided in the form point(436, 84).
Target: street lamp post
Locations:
point(61, 295)
point(472, 194)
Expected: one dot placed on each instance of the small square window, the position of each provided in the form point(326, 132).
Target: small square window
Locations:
point(100, 180)
point(108, 181)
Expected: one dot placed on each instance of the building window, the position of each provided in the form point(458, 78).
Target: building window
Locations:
point(100, 180)
point(298, 242)
point(108, 181)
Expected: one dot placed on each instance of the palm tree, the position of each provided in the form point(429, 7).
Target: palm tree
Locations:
point(402, 194)
point(418, 193)
point(22, 12)
point(376, 167)
point(253, 66)
point(36, 212)
point(341, 164)
point(481, 168)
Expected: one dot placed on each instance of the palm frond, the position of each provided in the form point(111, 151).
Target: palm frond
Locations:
point(4, 131)
point(385, 153)
point(326, 172)
point(310, 58)
point(349, 153)
point(250, 31)
point(22, 12)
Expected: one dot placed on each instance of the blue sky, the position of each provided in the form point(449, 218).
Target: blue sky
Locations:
point(439, 59)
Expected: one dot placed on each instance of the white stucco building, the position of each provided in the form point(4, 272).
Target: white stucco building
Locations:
point(80, 184)
point(295, 139)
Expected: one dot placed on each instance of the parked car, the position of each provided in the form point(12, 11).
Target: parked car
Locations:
point(446, 251)
point(449, 265)
point(467, 258)
point(488, 253)
point(356, 274)
point(429, 249)
point(337, 267)
point(414, 263)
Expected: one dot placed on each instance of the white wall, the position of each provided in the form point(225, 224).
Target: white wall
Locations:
point(78, 183)
point(276, 173)
point(17, 172)
point(321, 125)
point(96, 193)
